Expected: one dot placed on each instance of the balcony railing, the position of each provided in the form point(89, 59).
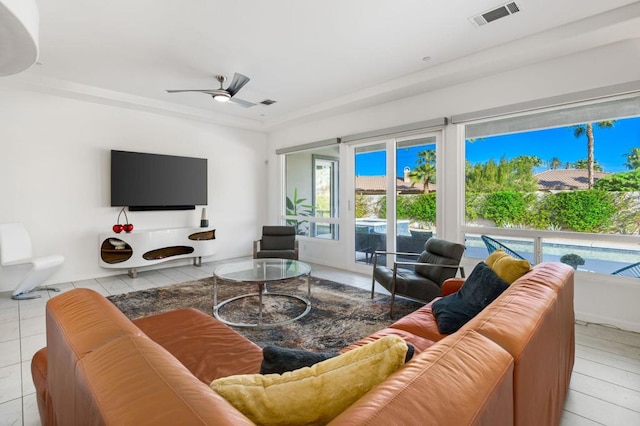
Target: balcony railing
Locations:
point(603, 253)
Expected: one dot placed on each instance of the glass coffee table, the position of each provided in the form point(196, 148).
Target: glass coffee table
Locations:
point(260, 272)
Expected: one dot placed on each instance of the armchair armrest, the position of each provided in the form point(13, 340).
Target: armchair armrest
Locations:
point(256, 245)
point(377, 252)
point(451, 286)
point(296, 249)
point(396, 252)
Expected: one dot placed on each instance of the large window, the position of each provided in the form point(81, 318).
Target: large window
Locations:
point(311, 186)
point(559, 185)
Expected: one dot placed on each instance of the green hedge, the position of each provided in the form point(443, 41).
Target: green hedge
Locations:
point(583, 211)
point(580, 211)
point(622, 182)
point(419, 208)
point(504, 207)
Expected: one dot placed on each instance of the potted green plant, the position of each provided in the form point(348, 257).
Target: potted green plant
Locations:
point(572, 259)
point(296, 207)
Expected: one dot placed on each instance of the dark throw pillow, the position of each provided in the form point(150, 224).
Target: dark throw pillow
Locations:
point(480, 289)
point(280, 360)
point(410, 352)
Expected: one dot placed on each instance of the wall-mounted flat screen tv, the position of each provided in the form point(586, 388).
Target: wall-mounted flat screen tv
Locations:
point(144, 181)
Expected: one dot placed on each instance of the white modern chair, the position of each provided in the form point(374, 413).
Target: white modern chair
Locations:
point(17, 265)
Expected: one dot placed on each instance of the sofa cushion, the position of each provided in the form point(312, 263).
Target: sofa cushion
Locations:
point(421, 322)
point(280, 360)
point(316, 394)
point(479, 290)
point(507, 267)
point(206, 346)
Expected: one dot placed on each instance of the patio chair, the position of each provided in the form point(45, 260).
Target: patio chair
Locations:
point(493, 245)
point(439, 261)
point(632, 271)
point(364, 244)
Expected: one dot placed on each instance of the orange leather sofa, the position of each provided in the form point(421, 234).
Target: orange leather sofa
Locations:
point(511, 364)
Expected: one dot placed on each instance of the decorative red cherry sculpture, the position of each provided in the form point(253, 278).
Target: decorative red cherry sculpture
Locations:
point(127, 227)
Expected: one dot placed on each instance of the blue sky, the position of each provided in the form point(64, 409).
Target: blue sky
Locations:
point(610, 146)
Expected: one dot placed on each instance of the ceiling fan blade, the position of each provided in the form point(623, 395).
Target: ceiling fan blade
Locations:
point(237, 83)
point(242, 103)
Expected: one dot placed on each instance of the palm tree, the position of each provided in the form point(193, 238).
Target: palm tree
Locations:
point(633, 159)
point(555, 163)
point(425, 170)
point(587, 129)
point(584, 165)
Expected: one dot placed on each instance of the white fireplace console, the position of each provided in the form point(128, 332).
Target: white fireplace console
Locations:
point(149, 247)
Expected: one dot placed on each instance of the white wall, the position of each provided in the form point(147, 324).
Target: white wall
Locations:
point(55, 175)
point(609, 65)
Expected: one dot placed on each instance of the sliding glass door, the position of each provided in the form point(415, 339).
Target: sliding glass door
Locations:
point(394, 197)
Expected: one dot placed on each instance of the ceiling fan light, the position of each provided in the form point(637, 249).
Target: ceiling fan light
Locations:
point(221, 97)
point(19, 29)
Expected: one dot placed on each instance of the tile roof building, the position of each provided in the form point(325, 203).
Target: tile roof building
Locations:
point(549, 180)
point(565, 179)
point(377, 185)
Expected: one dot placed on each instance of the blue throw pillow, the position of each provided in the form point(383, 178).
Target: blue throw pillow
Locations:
point(479, 290)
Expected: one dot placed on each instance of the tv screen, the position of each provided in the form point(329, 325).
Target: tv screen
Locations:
point(143, 181)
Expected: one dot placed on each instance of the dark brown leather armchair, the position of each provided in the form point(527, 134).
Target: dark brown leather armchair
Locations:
point(276, 242)
point(439, 261)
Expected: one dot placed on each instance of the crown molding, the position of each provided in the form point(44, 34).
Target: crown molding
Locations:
point(71, 90)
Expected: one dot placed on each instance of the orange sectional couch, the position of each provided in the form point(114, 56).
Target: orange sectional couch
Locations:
point(511, 364)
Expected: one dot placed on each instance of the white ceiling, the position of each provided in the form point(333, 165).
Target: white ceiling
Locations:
point(310, 56)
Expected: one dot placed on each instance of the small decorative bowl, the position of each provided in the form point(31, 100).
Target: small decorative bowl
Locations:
point(117, 244)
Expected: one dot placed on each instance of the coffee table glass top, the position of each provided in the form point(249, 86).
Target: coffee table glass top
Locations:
point(261, 270)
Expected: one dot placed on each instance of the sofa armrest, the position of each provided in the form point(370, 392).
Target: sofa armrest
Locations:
point(133, 381)
point(451, 285)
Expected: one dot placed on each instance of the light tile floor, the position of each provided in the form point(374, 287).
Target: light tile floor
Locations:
point(604, 390)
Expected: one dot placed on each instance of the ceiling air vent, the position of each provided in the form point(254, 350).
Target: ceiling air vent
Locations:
point(494, 14)
point(268, 102)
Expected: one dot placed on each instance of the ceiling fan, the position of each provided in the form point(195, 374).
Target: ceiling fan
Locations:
point(225, 95)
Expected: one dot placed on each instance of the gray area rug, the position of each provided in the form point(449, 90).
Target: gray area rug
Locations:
point(340, 314)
